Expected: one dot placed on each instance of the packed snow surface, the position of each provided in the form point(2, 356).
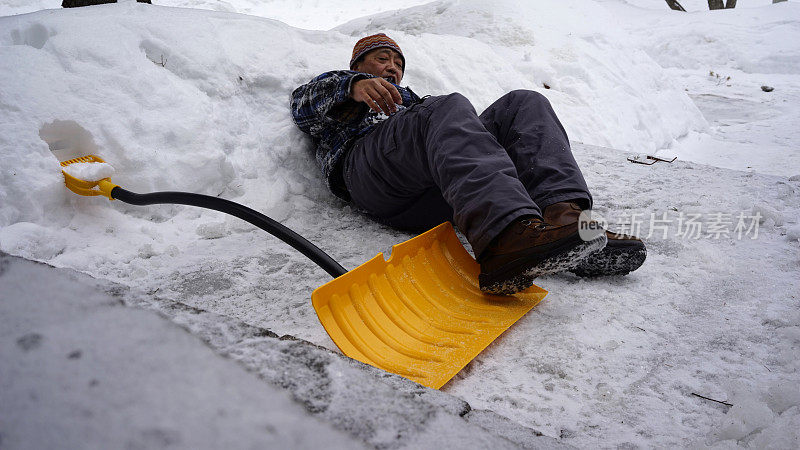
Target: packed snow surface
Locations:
point(197, 100)
point(80, 370)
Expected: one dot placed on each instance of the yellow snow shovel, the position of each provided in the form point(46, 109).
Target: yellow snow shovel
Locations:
point(420, 314)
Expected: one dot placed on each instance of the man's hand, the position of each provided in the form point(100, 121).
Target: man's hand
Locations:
point(378, 94)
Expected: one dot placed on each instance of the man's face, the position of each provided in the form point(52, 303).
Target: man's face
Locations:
point(382, 62)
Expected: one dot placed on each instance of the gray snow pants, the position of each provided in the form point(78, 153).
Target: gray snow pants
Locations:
point(439, 161)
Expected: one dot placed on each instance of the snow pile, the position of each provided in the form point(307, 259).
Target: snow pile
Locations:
point(723, 58)
point(767, 418)
point(181, 99)
point(32, 241)
point(89, 171)
point(10, 7)
point(174, 98)
point(690, 5)
point(607, 91)
point(751, 40)
point(307, 14)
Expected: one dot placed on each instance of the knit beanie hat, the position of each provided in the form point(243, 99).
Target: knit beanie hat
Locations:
point(368, 43)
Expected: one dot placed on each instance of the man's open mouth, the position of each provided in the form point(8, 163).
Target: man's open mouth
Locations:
point(390, 79)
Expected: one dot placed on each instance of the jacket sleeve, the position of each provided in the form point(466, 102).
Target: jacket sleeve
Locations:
point(327, 98)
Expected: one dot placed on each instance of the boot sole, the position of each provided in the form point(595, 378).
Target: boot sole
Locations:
point(498, 283)
point(612, 261)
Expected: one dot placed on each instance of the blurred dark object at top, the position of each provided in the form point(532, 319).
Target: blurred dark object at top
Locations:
point(77, 3)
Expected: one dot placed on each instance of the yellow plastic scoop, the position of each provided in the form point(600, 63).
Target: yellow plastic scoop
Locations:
point(103, 186)
point(420, 314)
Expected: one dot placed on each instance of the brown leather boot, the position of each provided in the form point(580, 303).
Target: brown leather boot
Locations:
point(623, 254)
point(562, 213)
point(530, 247)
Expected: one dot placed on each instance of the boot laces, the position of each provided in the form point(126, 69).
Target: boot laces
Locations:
point(536, 225)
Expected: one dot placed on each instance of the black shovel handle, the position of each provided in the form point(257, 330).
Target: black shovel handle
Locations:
point(252, 216)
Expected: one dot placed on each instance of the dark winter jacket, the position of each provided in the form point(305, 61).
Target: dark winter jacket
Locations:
point(323, 108)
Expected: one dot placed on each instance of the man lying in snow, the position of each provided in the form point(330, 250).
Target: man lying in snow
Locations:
point(506, 178)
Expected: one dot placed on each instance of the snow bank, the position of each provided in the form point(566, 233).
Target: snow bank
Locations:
point(690, 5)
point(10, 7)
point(606, 90)
point(307, 14)
point(753, 40)
point(765, 418)
point(174, 98)
point(181, 99)
point(722, 59)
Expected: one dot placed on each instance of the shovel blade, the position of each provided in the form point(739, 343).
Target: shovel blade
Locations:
point(84, 187)
point(420, 314)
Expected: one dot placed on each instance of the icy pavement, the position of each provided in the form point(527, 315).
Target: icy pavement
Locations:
point(91, 364)
point(616, 361)
point(714, 310)
point(80, 370)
